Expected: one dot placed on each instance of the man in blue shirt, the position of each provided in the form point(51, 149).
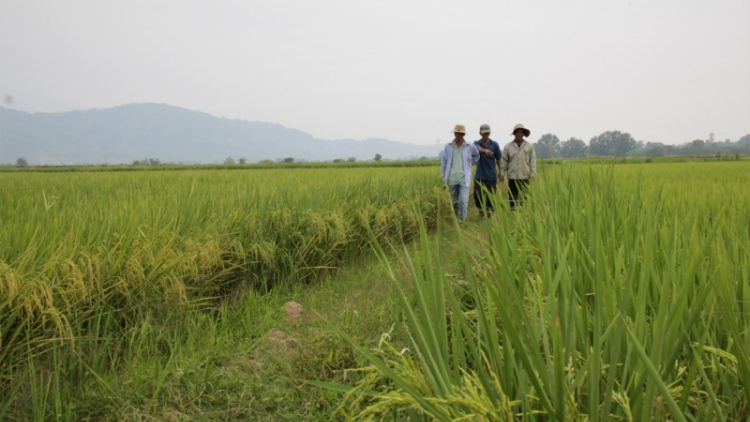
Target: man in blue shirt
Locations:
point(485, 178)
point(455, 166)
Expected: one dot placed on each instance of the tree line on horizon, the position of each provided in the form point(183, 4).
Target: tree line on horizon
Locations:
point(622, 144)
point(608, 144)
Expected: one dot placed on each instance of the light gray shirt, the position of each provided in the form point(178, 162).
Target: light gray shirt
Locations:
point(518, 162)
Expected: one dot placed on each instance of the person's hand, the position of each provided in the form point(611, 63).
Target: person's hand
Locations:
point(533, 177)
point(501, 178)
point(487, 152)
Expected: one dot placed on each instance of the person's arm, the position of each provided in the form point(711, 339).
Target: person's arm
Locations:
point(444, 164)
point(474, 155)
point(498, 160)
point(486, 151)
point(532, 164)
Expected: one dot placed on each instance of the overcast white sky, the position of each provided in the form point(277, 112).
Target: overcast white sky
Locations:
point(665, 71)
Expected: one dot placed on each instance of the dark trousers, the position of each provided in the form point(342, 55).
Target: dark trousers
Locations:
point(482, 197)
point(516, 190)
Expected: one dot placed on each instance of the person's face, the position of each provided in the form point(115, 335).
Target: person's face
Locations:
point(519, 135)
point(485, 136)
point(459, 136)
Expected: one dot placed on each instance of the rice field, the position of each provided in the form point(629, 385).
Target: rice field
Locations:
point(75, 244)
point(618, 292)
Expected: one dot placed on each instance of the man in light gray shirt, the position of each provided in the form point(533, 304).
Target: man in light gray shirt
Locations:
point(519, 161)
point(455, 166)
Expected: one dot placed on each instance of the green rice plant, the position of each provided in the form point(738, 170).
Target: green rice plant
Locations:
point(615, 293)
point(88, 255)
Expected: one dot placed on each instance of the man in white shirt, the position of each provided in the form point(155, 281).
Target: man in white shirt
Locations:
point(455, 166)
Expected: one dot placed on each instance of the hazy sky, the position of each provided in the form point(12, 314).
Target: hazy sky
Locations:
point(665, 71)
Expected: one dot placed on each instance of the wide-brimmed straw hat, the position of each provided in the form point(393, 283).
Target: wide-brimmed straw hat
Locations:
point(526, 132)
point(459, 129)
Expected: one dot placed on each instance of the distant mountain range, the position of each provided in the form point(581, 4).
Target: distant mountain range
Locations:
point(172, 134)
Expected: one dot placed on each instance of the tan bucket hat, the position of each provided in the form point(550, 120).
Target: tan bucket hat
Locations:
point(526, 132)
point(459, 129)
point(485, 128)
